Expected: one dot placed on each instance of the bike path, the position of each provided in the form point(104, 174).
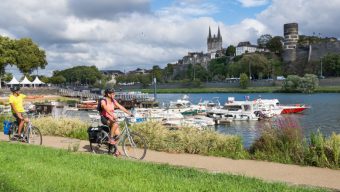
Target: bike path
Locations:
point(269, 171)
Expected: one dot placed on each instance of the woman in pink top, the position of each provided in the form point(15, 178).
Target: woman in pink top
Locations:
point(108, 104)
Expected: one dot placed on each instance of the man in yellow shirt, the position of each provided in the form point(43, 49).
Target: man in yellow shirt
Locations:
point(16, 102)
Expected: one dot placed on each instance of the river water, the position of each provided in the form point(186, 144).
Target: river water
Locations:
point(324, 114)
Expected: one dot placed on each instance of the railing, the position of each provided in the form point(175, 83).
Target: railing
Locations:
point(72, 93)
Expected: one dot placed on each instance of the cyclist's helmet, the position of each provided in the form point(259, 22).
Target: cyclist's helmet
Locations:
point(15, 88)
point(108, 91)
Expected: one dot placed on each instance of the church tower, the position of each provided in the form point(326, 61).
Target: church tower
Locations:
point(214, 43)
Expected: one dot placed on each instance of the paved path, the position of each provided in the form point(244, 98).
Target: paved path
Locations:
point(292, 174)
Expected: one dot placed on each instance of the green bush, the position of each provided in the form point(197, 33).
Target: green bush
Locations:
point(306, 84)
point(244, 81)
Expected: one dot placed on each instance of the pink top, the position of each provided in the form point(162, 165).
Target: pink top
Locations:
point(111, 107)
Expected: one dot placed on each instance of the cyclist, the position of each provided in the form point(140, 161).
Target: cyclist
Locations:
point(18, 111)
point(108, 117)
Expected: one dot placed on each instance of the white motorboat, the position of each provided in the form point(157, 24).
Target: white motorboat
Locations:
point(235, 111)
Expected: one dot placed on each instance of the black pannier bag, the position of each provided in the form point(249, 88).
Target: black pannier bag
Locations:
point(93, 134)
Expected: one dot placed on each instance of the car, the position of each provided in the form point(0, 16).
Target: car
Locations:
point(280, 78)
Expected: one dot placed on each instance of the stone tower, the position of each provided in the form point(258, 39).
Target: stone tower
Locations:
point(214, 43)
point(291, 37)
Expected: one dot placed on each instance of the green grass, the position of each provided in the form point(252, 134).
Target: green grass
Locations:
point(34, 168)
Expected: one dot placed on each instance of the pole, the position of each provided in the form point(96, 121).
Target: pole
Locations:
point(321, 68)
point(194, 71)
point(249, 70)
point(154, 88)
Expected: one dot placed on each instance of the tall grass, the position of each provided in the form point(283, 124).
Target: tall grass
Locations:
point(64, 127)
point(190, 140)
point(285, 143)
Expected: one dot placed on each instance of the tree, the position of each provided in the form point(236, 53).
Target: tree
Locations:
point(218, 67)
point(331, 64)
point(157, 73)
point(256, 64)
point(263, 40)
point(275, 44)
point(231, 50)
point(7, 54)
point(29, 57)
point(291, 83)
point(57, 79)
point(244, 81)
point(308, 83)
point(80, 74)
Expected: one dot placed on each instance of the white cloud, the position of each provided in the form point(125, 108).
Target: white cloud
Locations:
point(253, 3)
point(319, 16)
point(139, 38)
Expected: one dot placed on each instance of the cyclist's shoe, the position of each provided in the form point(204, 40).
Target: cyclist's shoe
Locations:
point(117, 153)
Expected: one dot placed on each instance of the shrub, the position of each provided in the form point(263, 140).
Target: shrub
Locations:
point(291, 83)
point(244, 81)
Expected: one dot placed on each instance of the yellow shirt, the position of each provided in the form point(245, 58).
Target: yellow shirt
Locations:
point(17, 102)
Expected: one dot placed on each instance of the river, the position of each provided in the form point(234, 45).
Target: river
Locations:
point(324, 114)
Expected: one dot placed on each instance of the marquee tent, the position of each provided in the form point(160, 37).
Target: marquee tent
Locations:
point(25, 81)
point(37, 81)
point(14, 81)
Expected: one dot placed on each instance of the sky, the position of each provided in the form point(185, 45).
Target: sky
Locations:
point(129, 34)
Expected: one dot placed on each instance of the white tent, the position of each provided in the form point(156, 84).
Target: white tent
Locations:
point(25, 81)
point(14, 81)
point(37, 81)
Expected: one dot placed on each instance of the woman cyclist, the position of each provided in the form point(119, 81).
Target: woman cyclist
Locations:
point(108, 117)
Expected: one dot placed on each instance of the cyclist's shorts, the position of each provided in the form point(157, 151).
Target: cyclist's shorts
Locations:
point(104, 120)
point(24, 115)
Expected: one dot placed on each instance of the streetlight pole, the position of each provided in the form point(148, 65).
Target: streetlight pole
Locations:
point(194, 65)
point(249, 70)
point(321, 67)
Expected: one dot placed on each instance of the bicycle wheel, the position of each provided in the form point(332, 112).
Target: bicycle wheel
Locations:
point(34, 136)
point(14, 131)
point(134, 146)
point(101, 146)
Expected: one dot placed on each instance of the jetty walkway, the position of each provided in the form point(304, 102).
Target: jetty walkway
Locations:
point(268, 171)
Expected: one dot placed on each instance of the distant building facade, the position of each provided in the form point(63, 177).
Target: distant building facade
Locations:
point(247, 47)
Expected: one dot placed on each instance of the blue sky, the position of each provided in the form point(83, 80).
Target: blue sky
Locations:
point(129, 34)
point(226, 11)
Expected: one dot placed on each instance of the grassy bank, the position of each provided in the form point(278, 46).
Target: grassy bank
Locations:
point(274, 89)
point(284, 143)
point(35, 168)
point(216, 90)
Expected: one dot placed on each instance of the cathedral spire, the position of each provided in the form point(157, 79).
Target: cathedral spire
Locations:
point(218, 33)
point(209, 36)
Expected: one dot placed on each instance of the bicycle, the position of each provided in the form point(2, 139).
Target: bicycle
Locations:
point(32, 134)
point(133, 144)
